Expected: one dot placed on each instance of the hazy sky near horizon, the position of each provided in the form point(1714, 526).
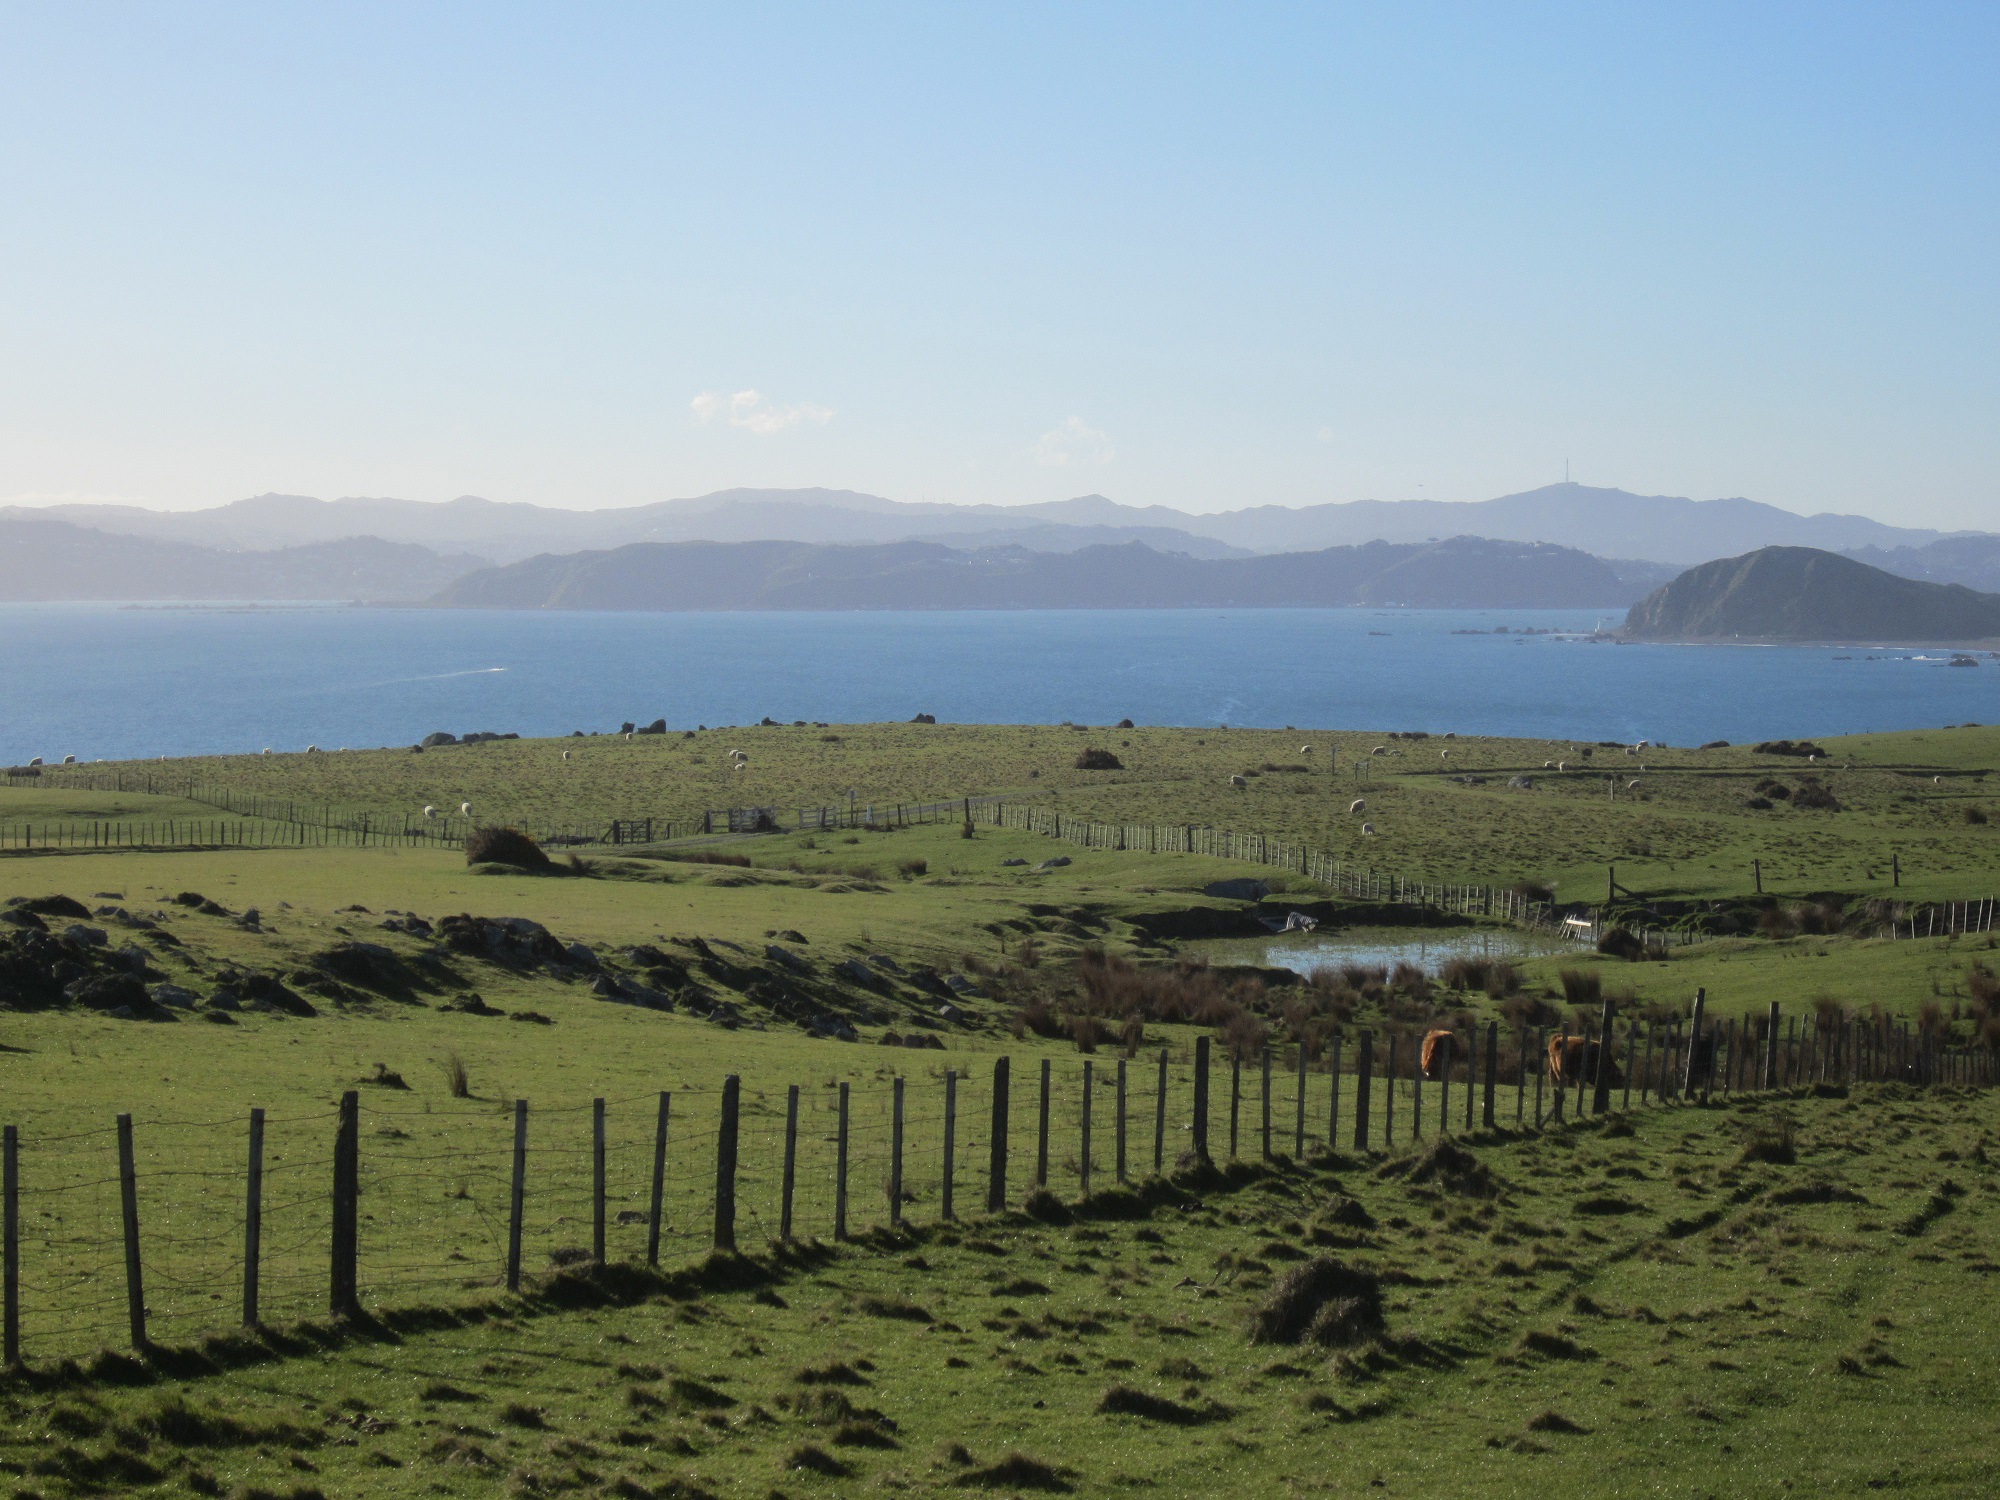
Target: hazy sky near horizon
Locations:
point(1199, 256)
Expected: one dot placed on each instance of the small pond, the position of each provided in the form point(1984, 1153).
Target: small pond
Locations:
point(1426, 947)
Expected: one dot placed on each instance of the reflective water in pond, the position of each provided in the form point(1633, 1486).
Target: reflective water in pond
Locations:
point(1427, 948)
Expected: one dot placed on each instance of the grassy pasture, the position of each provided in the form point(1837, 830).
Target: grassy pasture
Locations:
point(1684, 830)
point(1659, 1304)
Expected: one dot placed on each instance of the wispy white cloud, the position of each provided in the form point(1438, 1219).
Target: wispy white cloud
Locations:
point(1074, 441)
point(753, 411)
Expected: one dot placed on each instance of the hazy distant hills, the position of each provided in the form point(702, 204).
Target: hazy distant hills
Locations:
point(1971, 560)
point(49, 560)
point(1659, 529)
point(1804, 594)
point(1463, 572)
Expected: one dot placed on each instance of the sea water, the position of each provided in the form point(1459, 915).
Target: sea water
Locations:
point(110, 681)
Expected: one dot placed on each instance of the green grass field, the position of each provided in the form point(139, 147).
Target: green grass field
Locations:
point(1684, 830)
point(1704, 1319)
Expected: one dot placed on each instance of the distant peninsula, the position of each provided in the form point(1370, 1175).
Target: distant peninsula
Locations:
point(1804, 594)
point(1460, 573)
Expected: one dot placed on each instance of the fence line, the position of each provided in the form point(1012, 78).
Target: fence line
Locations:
point(269, 822)
point(154, 1231)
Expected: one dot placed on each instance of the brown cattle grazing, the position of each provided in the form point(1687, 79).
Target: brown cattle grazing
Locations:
point(1574, 1060)
point(1435, 1059)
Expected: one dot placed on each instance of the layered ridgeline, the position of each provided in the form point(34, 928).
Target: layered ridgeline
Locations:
point(49, 560)
point(1465, 572)
point(1802, 594)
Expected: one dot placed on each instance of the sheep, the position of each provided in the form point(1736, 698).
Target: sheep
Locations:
point(429, 811)
point(1379, 750)
point(1631, 750)
point(310, 750)
point(465, 809)
point(739, 755)
point(1367, 827)
point(38, 760)
point(1548, 765)
point(1358, 805)
point(1632, 785)
point(1239, 781)
point(69, 760)
point(267, 750)
point(565, 755)
point(1937, 781)
point(1305, 749)
point(741, 765)
point(1562, 765)
point(1444, 755)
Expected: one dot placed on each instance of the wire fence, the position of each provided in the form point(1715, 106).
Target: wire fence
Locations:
point(167, 1230)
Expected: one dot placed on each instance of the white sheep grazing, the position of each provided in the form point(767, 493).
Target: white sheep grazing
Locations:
point(565, 755)
point(1548, 765)
point(1444, 755)
point(1562, 765)
point(465, 809)
point(739, 755)
point(69, 760)
point(1937, 781)
point(267, 750)
point(1632, 785)
point(1367, 827)
point(429, 811)
point(310, 750)
point(1811, 758)
point(1358, 805)
point(1239, 781)
point(1631, 750)
point(1379, 750)
point(38, 760)
point(1305, 749)
point(741, 765)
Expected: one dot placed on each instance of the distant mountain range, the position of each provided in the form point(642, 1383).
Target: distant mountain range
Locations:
point(49, 560)
point(1656, 529)
point(1463, 572)
point(1804, 594)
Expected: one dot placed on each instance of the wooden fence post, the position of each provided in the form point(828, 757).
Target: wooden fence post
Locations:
point(1492, 1071)
point(1541, 1069)
point(597, 1181)
point(1333, 1097)
point(996, 1171)
point(656, 1206)
point(343, 1281)
point(1600, 1099)
point(1689, 1077)
point(1119, 1133)
point(725, 1164)
point(1299, 1102)
point(1042, 1132)
point(517, 1195)
point(1235, 1099)
point(1201, 1097)
point(1160, 1119)
point(840, 1171)
point(1364, 1057)
point(1389, 1097)
point(791, 1161)
point(1471, 1072)
point(1265, 1060)
point(1771, 1048)
point(10, 1246)
point(253, 1218)
point(128, 1202)
point(1083, 1166)
point(950, 1139)
point(895, 1155)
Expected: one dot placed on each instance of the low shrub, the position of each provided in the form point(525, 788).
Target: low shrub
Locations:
point(1095, 759)
point(504, 846)
point(1321, 1301)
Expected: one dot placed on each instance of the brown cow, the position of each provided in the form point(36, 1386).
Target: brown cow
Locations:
point(1435, 1059)
point(1574, 1060)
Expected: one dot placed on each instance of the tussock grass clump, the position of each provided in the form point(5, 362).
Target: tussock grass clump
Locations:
point(1555, 1421)
point(457, 1082)
point(1537, 1343)
point(1094, 759)
point(1449, 1166)
point(1581, 987)
point(1773, 1140)
point(1129, 1401)
point(813, 1459)
point(1017, 1471)
point(505, 846)
point(1323, 1302)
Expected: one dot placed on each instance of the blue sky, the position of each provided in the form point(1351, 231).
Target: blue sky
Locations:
point(1201, 256)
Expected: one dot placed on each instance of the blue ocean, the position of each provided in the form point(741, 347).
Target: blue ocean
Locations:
point(110, 681)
